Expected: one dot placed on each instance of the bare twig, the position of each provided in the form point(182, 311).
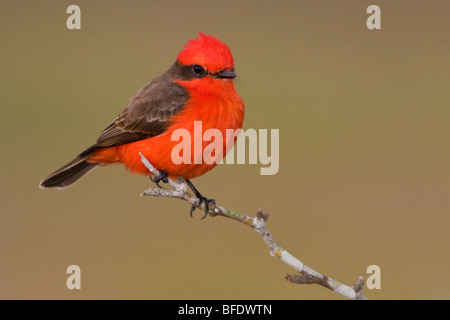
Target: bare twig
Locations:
point(258, 223)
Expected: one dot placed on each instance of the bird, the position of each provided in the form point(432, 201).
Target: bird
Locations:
point(198, 86)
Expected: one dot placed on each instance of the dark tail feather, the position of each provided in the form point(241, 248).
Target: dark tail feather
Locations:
point(68, 174)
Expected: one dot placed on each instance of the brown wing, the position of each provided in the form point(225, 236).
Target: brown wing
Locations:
point(148, 114)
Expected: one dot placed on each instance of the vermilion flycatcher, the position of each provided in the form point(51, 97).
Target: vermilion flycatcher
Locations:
point(197, 87)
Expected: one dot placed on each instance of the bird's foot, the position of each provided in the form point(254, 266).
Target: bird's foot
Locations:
point(201, 199)
point(163, 176)
point(207, 202)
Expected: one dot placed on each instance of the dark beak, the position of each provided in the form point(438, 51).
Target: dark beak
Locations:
point(225, 74)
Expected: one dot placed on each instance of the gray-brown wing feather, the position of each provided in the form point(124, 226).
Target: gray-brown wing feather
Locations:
point(148, 114)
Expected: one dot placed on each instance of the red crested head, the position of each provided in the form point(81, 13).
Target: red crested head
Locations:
point(208, 52)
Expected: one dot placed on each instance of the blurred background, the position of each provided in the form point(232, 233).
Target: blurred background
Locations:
point(364, 150)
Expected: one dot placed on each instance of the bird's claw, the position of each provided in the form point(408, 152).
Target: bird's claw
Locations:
point(206, 201)
point(163, 176)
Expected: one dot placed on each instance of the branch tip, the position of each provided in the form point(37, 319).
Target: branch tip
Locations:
point(261, 215)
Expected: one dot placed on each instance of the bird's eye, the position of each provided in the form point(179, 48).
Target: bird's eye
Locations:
point(198, 70)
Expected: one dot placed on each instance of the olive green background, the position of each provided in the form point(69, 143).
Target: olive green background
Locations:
point(364, 150)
